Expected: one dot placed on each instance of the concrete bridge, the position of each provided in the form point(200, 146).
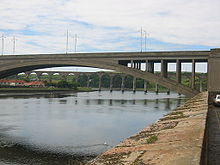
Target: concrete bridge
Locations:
point(131, 63)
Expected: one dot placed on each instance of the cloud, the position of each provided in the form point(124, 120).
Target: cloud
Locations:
point(109, 25)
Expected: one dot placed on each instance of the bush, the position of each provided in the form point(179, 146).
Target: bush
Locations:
point(65, 84)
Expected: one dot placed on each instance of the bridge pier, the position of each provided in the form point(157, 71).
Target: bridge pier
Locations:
point(134, 84)
point(164, 68)
point(156, 88)
point(100, 81)
point(132, 64)
point(151, 67)
point(122, 83)
point(178, 71)
point(146, 70)
point(200, 85)
point(111, 82)
point(88, 80)
point(164, 72)
point(213, 73)
point(193, 74)
point(145, 86)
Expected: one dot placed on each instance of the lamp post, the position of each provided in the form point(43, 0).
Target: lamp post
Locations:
point(67, 40)
point(14, 44)
point(75, 42)
point(141, 37)
point(143, 34)
point(3, 37)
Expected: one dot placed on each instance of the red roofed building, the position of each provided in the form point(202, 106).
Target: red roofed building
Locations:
point(34, 84)
point(6, 82)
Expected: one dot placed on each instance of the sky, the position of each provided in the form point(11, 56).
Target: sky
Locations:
point(40, 26)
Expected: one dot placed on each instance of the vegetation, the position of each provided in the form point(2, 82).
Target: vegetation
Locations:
point(82, 81)
point(152, 139)
point(62, 84)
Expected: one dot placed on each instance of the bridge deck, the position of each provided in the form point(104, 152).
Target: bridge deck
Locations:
point(166, 55)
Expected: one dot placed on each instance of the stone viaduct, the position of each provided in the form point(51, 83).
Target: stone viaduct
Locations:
point(64, 75)
point(137, 64)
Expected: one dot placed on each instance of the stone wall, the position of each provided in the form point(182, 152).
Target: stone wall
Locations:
point(176, 139)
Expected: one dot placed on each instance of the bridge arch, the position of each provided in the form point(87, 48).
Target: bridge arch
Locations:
point(11, 68)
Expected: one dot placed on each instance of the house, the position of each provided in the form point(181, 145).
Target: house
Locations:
point(34, 84)
point(17, 83)
point(5, 82)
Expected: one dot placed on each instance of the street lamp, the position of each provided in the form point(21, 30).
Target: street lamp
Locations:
point(3, 37)
point(145, 40)
point(67, 40)
point(14, 44)
point(141, 37)
point(75, 38)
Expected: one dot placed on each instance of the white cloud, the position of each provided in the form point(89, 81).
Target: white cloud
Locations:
point(193, 22)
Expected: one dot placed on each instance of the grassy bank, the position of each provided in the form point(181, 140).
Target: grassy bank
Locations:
point(79, 89)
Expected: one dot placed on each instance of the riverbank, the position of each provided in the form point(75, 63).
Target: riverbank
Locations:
point(175, 139)
point(22, 90)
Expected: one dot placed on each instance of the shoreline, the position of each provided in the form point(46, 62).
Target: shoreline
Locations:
point(24, 90)
point(176, 138)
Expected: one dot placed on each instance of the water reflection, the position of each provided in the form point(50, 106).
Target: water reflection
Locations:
point(60, 128)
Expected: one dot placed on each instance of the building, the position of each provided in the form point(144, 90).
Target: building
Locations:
point(5, 82)
point(18, 83)
point(35, 84)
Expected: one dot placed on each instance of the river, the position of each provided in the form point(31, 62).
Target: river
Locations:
point(70, 128)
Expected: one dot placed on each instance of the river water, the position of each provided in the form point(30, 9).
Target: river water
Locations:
point(70, 128)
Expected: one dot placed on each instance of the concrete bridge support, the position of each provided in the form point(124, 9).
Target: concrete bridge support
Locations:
point(164, 68)
point(88, 80)
point(178, 71)
point(156, 88)
point(200, 85)
point(193, 74)
point(100, 81)
point(111, 82)
point(145, 86)
point(134, 84)
point(122, 83)
point(213, 73)
point(132, 64)
point(147, 70)
point(151, 67)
